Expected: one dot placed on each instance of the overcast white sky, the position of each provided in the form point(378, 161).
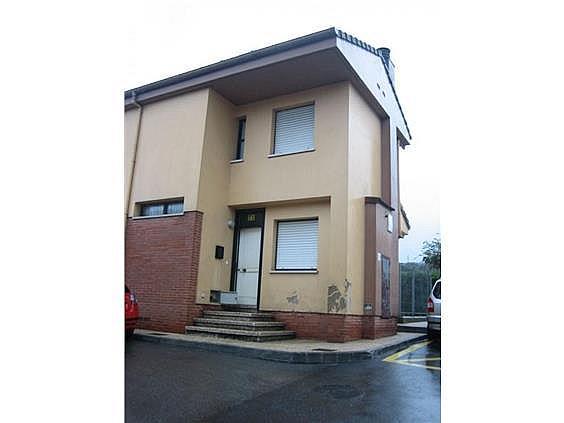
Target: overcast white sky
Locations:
point(173, 36)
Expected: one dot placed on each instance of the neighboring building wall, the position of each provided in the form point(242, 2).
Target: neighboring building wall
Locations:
point(169, 151)
point(162, 254)
point(161, 267)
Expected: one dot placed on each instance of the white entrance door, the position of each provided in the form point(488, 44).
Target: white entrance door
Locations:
point(248, 265)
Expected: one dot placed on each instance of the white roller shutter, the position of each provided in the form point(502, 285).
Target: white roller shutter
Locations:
point(296, 247)
point(294, 130)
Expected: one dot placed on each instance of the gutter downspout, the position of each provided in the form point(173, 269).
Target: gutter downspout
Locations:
point(137, 135)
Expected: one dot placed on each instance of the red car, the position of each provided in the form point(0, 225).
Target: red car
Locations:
point(131, 312)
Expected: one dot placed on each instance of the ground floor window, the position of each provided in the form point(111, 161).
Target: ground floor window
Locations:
point(158, 209)
point(385, 278)
point(297, 244)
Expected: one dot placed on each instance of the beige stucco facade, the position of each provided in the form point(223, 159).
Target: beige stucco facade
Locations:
point(185, 148)
point(310, 234)
point(169, 149)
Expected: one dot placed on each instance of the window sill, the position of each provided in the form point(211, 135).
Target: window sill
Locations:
point(237, 161)
point(157, 216)
point(307, 272)
point(271, 156)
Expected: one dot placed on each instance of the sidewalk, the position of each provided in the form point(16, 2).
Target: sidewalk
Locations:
point(289, 351)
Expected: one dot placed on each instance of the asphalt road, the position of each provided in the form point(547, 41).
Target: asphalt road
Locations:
point(165, 383)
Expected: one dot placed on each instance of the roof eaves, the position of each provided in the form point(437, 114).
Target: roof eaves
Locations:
point(243, 58)
point(397, 100)
point(263, 52)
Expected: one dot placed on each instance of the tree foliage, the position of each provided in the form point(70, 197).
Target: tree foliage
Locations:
point(431, 253)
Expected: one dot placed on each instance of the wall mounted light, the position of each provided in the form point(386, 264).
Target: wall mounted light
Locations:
point(230, 224)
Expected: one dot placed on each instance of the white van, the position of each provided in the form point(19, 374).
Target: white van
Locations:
point(434, 310)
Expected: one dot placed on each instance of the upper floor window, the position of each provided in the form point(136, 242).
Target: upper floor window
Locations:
point(158, 209)
point(293, 130)
point(240, 151)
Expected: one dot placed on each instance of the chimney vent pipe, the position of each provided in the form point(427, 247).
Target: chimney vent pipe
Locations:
point(384, 53)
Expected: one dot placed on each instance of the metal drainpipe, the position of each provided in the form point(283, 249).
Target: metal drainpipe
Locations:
point(138, 132)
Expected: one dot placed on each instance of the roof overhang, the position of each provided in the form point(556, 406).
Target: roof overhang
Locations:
point(314, 60)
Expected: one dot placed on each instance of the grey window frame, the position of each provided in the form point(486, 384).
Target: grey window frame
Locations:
point(166, 207)
point(241, 134)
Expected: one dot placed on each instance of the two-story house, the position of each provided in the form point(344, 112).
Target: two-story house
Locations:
point(269, 183)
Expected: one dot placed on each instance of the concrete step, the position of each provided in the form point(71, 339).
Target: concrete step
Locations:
point(247, 335)
point(415, 327)
point(239, 324)
point(238, 315)
point(412, 319)
point(238, 307)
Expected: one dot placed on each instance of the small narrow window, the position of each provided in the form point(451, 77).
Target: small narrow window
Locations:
point(390, 221)
point(293, 130)
point(385, 275)
point(159, 209)
point(296, 245)
point(240, 151)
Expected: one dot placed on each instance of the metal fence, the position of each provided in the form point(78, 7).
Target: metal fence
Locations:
point(416, 281)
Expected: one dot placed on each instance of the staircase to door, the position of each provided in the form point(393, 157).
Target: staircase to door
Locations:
point(244, 325)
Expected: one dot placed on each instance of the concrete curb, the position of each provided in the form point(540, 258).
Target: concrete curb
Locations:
point(410, 319)
point(408, 329)
point(294, 357)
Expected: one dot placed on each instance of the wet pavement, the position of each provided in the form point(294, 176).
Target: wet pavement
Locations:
point(165, 383)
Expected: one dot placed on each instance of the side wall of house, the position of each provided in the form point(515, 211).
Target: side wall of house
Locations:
point(364, 179)
point(372, 173)
point(162, 253)
point(169, 151)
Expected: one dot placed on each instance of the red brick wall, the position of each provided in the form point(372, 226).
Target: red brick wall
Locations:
point(375, 327)
point(161, 268)
point(336, 327)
